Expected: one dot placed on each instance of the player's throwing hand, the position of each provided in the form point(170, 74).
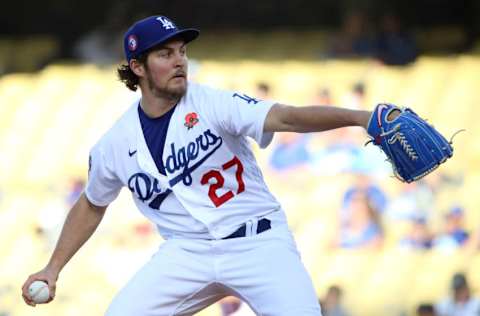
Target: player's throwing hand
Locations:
point(47, 275)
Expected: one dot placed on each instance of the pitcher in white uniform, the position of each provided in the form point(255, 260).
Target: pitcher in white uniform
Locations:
point(182, 149)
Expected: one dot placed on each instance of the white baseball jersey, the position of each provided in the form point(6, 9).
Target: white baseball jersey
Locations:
point(212, 183)
point(211, 186)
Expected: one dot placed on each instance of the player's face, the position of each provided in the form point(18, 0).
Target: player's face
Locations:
point(166, 70)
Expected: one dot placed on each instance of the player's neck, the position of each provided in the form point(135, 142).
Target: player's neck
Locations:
point(154, 106)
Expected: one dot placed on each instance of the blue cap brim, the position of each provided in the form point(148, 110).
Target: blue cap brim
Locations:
point(187, 35)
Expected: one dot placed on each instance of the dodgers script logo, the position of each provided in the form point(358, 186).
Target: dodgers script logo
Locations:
point(180, 159)
point(147, 188)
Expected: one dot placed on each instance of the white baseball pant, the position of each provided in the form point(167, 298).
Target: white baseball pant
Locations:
point(187, 275)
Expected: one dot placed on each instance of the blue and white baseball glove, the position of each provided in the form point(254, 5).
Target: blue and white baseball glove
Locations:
point(414, 147)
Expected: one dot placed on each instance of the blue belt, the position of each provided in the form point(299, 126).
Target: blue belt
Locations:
point(263, 225)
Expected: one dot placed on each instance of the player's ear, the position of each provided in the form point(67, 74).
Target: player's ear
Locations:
point(137, 67)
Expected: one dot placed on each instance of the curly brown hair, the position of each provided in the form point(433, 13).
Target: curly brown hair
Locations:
point(127, 76)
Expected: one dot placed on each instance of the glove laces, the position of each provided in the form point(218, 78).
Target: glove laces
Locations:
point(405, 145)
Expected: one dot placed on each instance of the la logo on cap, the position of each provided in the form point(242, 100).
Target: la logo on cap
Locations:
point(166, 23)
point(132, 42)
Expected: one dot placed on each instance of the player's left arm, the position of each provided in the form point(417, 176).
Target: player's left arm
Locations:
point(287, 118)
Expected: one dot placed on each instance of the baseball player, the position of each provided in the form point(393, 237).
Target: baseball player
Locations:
point(182, 151)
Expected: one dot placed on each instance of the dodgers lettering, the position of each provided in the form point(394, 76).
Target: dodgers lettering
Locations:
point(144, 188)
point(142, 185)
point(181, 158)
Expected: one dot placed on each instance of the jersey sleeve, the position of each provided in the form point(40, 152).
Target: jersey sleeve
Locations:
point(240, 114)
point(103, 185)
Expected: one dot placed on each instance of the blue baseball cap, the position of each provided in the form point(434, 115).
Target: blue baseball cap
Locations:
point(152, 31)
point(455, 210)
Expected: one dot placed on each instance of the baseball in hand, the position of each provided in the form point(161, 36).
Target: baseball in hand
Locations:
point(39, 292)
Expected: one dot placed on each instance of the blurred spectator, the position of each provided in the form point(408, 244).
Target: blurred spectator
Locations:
point(418, 236)
point(331, 151)
point(332, 302)
point(414, 200)
point(354, 39)
point(461, 302)
point(336, 157)
point(394, 45)
point(355, 98)
point(321, 142)
point(342, 148)
point(362, 228)
point(454, 234)
point(339, 152)
point(323, 96)
point(426, 310)
point(365, 183)
point(290, 151)
point(262, 91)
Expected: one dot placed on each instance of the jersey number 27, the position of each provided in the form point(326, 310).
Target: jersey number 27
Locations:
point(220, 180)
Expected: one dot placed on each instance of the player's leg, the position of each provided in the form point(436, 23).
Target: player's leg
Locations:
point(266, 271)
point(176, 281)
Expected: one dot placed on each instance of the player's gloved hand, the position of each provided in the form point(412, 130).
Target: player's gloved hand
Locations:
point(48, 275)
point(414, 147)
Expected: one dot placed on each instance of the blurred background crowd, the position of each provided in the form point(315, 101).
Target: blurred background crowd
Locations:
point(373, 245)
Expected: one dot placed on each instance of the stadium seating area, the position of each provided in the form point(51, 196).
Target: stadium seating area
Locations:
point(50, 119)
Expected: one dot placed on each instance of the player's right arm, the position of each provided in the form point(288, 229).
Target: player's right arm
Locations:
point(102, 188)
point(81, 222)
